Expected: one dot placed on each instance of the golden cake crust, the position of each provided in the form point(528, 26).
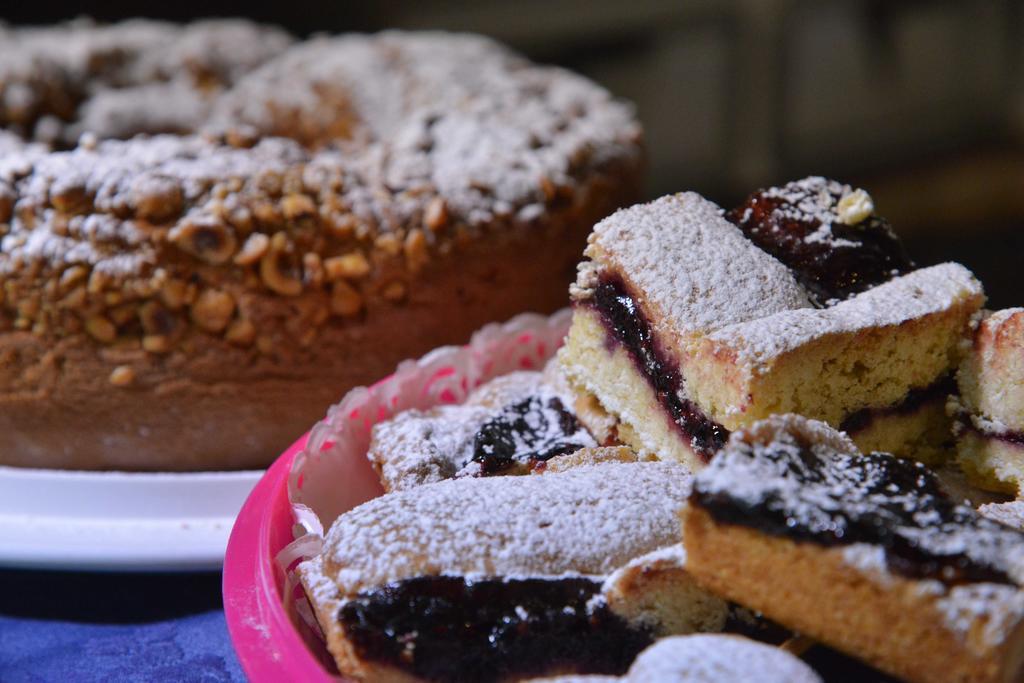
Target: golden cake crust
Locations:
point(791, 520)
point(817, 592)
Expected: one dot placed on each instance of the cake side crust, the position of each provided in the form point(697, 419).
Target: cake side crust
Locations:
point(608, 373)
point(838, 364)
point(991, 463)
point(991, 377)
point(897, 625)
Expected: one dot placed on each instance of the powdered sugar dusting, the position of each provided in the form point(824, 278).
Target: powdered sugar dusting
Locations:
point(803, 488)
point(586, 521)
point(999, 609)
point(112, 174)
point(693, 271)
point(382, 127)
point(837, 495)
point(61, 81)
point(1011, 514)
point(919, 293)
point(819, 200)
point(422, 446)
point(713, 658)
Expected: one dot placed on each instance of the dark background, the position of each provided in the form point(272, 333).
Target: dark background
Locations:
point(921, 103)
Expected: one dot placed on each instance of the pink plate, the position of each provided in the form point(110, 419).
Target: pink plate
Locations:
point(268, 645)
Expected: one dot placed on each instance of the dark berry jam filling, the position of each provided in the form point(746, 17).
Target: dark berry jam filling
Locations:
point(962, 422)
point(745, 622)
point(911, 403)
point(628, 326)
point(444, 628)
point(529, 432)
point(1009, 436)
point(832, 261)
point(834, 499)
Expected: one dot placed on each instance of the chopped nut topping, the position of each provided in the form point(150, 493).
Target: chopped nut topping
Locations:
point(241, 333)
point(116, 237)
point(122, 314)
point(389, 244)
point(436, 215)
point(296, 205)
point(253, 249)
point(6, 205)
point(213, 309)
point(156, 343)
point(174, 294)
point(71, 277)
point(206, 239)
point(157, 198)
point(312, 268)
point(352, 266)
point(855, 207)
point(547, 188)
point(416, 250)
point(279, 272)
point(75, 299)
point(101, 329)
point(71, 199)
point(345, 299)
point(98, 281)
point(122, 376)
point(157, 320)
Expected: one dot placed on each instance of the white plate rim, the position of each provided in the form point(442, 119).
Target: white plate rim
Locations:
point(118, 521)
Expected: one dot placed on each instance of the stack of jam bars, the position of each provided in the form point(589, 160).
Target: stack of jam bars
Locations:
point(690, 322)
point(734, 445)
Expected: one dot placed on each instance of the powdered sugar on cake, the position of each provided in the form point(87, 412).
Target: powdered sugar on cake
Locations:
point(920, 293)
point(1011, 514)
point(832, 495)
point(718, 658)
point(384, 128)
point(998, 608)
point(586, 521)
point(818, 200)
point(418, 447)
point(692, 270)
point(58, 82)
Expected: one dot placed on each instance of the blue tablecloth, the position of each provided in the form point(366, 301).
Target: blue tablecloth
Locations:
point(113, 627)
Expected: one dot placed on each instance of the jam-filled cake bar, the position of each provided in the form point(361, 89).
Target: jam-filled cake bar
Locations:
point(989, 410)
point(504, 578)
point(690, 322)
point(510, 425)
point(864, 552)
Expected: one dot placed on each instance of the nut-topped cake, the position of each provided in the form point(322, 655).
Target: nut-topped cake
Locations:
point(864, 551)
point(690, 322)
point(209, 233)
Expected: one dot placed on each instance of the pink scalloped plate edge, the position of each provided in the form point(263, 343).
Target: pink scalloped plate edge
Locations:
point(268, 645)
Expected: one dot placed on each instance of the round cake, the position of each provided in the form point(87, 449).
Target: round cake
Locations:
point(209, 233)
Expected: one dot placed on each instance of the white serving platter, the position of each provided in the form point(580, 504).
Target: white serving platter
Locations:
point(118, 521)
